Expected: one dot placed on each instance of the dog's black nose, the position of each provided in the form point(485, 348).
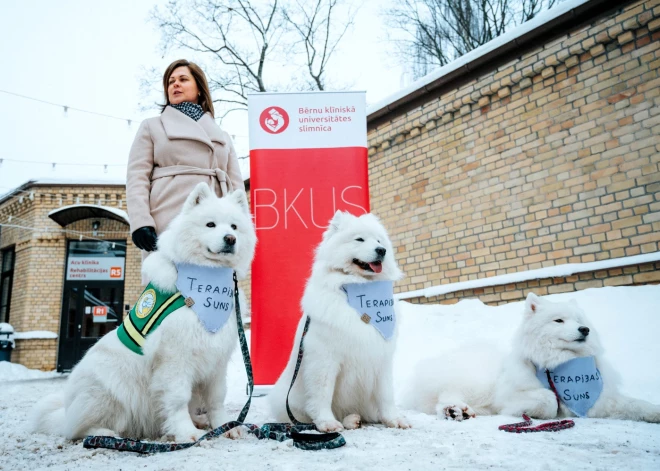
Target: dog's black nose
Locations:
point(584, 331)
point(381, 251)
point(231, 240)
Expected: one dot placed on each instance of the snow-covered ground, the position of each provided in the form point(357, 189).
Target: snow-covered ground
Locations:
point(16, 372)
point(627, 318)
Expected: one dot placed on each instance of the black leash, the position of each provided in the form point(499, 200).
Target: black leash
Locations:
point(273, 431)
point(324, 440)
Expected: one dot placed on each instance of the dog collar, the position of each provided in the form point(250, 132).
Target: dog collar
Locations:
point(578, 383)
point(374, 303)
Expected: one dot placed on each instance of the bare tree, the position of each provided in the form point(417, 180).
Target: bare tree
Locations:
point(317, 33)
point(241, 41)
point(437, 32)
point(233, 37)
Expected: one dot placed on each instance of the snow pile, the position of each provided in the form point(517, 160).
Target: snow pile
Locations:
point(627, 319)
point(35, 334)
point(15, 372)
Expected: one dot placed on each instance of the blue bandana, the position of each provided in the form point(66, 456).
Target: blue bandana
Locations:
point(374, 303)
point(209, 291)
point(578, 383)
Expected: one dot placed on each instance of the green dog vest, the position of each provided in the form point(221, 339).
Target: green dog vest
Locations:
point(149, 311)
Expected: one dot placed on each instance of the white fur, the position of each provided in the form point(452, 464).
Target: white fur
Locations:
point(346, 374)
point(114, 391)
point(488, 382)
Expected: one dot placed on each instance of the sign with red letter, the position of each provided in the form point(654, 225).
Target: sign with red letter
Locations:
point(308, 159)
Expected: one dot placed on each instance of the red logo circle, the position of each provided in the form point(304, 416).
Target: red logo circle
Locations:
point(274, 120)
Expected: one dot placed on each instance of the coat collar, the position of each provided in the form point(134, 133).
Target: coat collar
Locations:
point(179, 126)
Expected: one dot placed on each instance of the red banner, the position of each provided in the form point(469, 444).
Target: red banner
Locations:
point(308, 159)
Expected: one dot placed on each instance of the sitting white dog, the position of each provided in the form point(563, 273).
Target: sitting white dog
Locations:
point(345, 376)
point(145, 391)
point(552, 347)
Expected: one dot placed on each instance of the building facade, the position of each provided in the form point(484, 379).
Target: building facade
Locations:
point(538, 152)
point(65, 268)
point(541, 151)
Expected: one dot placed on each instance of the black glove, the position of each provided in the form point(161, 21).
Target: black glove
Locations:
point(145, 238)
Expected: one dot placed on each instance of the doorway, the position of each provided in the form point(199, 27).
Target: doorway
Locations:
point(92, 302)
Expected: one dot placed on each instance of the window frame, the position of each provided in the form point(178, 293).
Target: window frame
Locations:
point(8, 277)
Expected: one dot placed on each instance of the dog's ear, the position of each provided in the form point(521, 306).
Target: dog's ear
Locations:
point(335, 223)
point(201, 192)
point(532, 303)
point(240, 197)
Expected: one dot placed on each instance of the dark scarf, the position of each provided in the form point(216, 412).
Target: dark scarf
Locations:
point(192, 110)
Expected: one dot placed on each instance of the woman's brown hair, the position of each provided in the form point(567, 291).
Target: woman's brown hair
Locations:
point(205, 100)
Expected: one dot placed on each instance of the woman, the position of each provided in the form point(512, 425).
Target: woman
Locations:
point(175, 151)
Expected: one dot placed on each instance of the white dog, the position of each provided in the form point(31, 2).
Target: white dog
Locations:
point(346, 372)
point(481, 381)
point(115, 391)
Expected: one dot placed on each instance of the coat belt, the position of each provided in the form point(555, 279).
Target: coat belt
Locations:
point(173, 170)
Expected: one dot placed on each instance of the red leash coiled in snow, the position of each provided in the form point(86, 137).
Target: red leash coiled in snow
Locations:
point(526, 426)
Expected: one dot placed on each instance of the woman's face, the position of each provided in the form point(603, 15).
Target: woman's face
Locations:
point(182, 86)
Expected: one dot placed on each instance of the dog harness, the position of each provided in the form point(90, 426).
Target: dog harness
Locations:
point(578, 383)
point(374, 303)
point(151, 308)
point(206, 290)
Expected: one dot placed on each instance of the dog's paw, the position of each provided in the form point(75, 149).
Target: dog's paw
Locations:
point(352, 422)
point(102, 432)
point(544, 404)
point(399, 422)
point(329, 426)
point(236, 433)
point(186, 434)
point(201, 421)
point(458, 413)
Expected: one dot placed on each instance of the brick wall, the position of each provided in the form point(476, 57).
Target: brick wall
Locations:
point(37, 354)
point(551, 158)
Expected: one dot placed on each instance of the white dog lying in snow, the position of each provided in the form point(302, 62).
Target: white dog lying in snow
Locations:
point(346, 373)
point(116, 391)
point(552, 336)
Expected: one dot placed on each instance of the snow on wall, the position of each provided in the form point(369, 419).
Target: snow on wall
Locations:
point(566, 269)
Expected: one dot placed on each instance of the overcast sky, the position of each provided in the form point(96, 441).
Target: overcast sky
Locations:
point(88, 55)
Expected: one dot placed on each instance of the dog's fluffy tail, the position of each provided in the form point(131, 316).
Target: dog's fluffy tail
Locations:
point(48, 415)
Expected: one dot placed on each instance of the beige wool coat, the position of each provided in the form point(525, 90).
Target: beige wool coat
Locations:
point(171, 154)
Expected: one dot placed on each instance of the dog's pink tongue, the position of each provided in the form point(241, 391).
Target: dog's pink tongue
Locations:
point(377, 267)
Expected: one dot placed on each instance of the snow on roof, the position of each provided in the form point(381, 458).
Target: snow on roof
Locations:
point(78, 181)
point(566, 269)
point(123, 215)
point(60, 182)
point(539, 20)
